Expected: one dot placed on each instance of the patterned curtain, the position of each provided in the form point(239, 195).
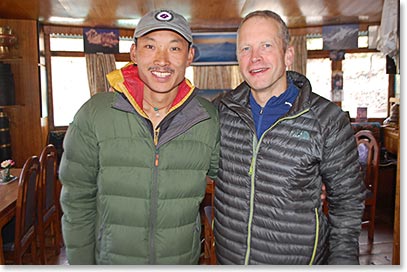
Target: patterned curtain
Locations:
point(98, 65)
point(217, 77)
point(300, 60)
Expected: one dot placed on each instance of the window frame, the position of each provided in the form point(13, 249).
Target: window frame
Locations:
point(337, 65)
point(47, 30)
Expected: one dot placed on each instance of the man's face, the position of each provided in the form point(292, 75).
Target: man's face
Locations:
point(261, 56)
point(162, 57)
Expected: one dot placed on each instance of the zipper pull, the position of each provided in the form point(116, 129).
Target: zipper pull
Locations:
point(251, 167)
point(261, 110)
point(156, 160)
point(156, 132)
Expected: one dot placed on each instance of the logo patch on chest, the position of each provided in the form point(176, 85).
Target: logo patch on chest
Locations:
point(302, 134)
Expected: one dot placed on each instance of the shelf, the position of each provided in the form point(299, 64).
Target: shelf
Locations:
point(10, 59)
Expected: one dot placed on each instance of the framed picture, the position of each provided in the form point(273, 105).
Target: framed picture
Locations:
point(337, 37)
point(97, 40)
point(361, 114)
point(337, 80)
point(214, 48)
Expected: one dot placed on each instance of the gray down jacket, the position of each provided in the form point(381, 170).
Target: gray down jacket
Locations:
point(268, 207)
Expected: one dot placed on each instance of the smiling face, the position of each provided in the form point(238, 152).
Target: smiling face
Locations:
point(162, 57)
point(261, 56)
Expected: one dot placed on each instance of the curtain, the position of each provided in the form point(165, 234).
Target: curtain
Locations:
point(217, 77)
point(300, 60)
point(98, 65)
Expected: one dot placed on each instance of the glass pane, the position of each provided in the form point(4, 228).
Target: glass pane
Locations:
point(189, 74)
point(66, 43)
point(120, 64)
point(125, 45)
point(314, 43)
point(363, 41)
point(319, 74)
point(70, 87)
point(365, 84)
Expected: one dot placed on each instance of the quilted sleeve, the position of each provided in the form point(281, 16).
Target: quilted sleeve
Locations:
point(78, 174)
point(345, 191)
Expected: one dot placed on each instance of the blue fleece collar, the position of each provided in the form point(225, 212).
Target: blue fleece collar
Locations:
point(276, 107)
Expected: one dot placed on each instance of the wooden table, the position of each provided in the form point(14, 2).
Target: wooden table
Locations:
point(8, 199)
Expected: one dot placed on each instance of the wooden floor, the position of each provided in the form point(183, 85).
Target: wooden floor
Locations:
point(380, 253)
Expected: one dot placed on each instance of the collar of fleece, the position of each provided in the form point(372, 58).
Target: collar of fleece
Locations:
point(127, 81)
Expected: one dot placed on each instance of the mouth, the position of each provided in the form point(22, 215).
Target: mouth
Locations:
point(257, 71)
point(161, 74)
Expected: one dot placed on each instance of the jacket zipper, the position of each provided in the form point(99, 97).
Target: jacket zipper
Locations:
point(156, 133)
point(252, 170)
point(153, 208)
point(314, 251)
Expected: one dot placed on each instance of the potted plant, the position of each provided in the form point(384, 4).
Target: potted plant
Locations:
point(5, 169)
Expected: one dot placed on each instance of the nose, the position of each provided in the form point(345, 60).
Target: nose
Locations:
point(161, 57)
point(255, 56)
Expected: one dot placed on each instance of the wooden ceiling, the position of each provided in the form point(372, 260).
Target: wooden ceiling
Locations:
point(203, 15)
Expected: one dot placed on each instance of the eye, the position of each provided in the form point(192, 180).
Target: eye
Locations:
point(267, 45)
point(245, 49)
point(149, 46)
point(175, 49)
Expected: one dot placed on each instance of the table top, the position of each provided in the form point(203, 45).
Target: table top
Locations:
point(8, 193)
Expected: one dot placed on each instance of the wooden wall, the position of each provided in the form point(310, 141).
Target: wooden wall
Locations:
point(25, 116)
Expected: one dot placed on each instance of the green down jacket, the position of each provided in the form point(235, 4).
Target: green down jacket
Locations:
point(126, 200)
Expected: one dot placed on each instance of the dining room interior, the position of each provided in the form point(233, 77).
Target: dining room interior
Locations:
point(349, 50)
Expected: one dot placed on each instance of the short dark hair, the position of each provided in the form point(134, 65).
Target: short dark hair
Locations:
point(284, 33)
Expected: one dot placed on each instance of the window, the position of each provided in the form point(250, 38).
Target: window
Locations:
point(365, 82)
point(319, 74)
point(70, 87)
point(70, 43)
point(69, 92)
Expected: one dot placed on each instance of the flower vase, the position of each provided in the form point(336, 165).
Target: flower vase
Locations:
point(5, 174)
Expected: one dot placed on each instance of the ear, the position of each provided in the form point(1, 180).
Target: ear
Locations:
point(289, 56)
point(133, 55)
point(191, 54)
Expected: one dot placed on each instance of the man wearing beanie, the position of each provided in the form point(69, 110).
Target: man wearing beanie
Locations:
point(135, 159)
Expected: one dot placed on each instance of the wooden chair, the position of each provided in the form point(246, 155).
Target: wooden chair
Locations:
point(369, 157)
point(207, 217)
point(19, 235)
point(49, 225)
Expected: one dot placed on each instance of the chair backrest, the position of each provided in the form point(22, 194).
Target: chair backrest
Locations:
point(48, 191)
point(369, 158)
point(207, 217)
point(26, 204)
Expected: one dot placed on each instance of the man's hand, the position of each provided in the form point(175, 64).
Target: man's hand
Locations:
point(323, 194)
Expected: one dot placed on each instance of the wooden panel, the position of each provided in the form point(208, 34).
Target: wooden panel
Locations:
point(391, 138)
point(396, 231)
point(25, 121)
